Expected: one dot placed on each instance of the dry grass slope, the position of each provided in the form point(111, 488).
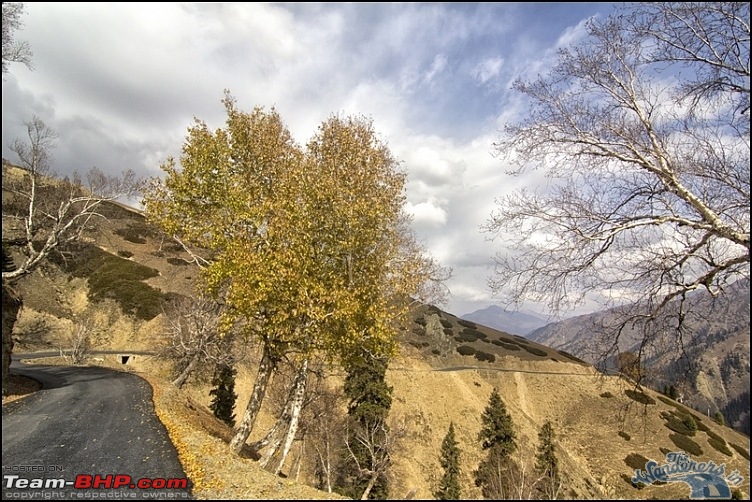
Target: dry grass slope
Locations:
point(600, 429)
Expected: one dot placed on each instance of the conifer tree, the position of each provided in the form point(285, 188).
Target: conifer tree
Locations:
point(498, 438)
point(223, 402)
point(498, 429)
point(720, 420)
point(365, 463)
point(546, 463)
point(11, 305)
point(690, 424)
point(449, 487)
point(672, 392)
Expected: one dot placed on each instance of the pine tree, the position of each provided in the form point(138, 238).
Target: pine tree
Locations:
point(498, 437)
point(449, 487)
point(223, 402)
point(370, 400)
point(689, 423)
point(546, 463)
point(720, 420)
point(11, 306)
point(672, 392)
point(498, 429)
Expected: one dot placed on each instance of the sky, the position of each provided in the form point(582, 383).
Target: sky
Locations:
point(122, 82)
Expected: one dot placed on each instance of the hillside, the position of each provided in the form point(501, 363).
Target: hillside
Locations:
point(713, 375)
point(445, 372)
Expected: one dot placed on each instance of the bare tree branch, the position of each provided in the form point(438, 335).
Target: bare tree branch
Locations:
point(649, 192)
point(194, 338)
point(51, 212)
point(14, 51)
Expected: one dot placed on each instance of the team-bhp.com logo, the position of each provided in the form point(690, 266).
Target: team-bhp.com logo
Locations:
point(97, 482)
point(706, 480)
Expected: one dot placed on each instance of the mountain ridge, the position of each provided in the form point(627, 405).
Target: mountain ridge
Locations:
point(514, 322)
point(444, 372)
point(712, 369)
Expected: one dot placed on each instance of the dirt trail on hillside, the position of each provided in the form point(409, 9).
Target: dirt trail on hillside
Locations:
point(519, 381)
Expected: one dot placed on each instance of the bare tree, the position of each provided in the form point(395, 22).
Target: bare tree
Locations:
point(371, 445)
point(45, 212)
point(500, 478)
point(42, 213)
point(14, 51)
point(515, 477)
point(193, 338)
point(79, 342)
point(325, 424)
point(643, 130)
point(628, 364)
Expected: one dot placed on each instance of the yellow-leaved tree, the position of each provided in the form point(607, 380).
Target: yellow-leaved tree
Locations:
point(309, 248)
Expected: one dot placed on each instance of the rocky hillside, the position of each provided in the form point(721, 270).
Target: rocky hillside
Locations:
point(712, 375)
point(116, 280)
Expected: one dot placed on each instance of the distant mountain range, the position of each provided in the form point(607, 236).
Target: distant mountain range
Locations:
point(516, 323)
point(712, 374)
point(443, 374)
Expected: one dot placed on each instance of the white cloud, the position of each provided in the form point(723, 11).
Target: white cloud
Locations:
point(122, 82)
point(488, 69)
point(427, 213)
point(573, 34)
point(437, 68)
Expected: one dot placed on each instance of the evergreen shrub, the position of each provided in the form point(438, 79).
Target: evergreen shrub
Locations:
point(535, 351)
point(639, 397)
point(685, 444)
point(484, 356)
point(635, 461)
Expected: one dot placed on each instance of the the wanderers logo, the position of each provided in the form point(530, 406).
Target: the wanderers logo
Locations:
point(706, 480)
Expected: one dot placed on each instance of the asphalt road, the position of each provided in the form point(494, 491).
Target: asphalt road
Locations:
point(87, 422)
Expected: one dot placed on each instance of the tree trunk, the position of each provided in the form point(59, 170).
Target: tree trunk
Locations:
point(274, 436)
point(273, 432)
point(266, 367)
point(325, 462)
point(183, 377)
point(371, 482)
point(298, 393)
point(274, 446)
point(11, 306)
point(285, 419)
point(328, 465)
point(298, 461)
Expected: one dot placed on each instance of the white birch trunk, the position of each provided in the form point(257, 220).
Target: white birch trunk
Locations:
point(298, 393)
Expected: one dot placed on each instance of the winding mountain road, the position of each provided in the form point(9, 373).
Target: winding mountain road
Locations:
point(87, 422)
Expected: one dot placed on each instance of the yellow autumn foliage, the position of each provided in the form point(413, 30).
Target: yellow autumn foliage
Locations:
point(311, 250)
point(310, 246)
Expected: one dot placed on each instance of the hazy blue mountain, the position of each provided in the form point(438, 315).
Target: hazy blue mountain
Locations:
point(713, 371)
point(515, 323)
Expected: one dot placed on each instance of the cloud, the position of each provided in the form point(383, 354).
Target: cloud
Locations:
point(573, 34)
point(488, 69)
point(437, 68)
point(427, 213)
point(122, 82)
